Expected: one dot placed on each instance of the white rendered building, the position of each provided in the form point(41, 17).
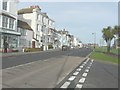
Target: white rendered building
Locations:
point(8, 25)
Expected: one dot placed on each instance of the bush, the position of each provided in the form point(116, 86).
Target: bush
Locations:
point(32, 49)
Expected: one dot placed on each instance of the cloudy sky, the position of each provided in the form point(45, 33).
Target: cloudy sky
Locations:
point(80, 18)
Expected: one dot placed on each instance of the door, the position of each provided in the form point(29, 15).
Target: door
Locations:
point(33, 44)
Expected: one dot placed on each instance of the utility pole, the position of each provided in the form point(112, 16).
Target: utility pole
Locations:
point(94, 39)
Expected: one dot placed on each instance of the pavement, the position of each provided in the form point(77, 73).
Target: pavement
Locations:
point(22, 53)
point(46, 71)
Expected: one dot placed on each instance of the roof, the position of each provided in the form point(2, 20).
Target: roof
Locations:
point(24, 25)
point(28, 10)
point(25, 10)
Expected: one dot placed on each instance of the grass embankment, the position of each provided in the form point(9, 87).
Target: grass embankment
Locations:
point(99, 54)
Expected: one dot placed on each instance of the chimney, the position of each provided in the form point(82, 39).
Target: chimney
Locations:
point(36, 6)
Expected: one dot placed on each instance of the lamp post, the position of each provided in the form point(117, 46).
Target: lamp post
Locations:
point(94, 39)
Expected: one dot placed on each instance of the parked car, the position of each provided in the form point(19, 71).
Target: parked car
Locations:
point(65, 47)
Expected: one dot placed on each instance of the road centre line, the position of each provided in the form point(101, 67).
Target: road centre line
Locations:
point(72, 78)
point(75, 73)
point(65, 85)
point(87, 70)
point(21, 65)
point(79, 86)
point(81, 66)
point(82, 80)
point(79, 69)
point(84, 74)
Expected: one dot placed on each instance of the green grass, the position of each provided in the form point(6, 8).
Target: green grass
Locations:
point(99, 55)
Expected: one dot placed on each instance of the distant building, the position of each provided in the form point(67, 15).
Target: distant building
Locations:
point(8, 26)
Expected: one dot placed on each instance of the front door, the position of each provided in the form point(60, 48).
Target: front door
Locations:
point(33, 44)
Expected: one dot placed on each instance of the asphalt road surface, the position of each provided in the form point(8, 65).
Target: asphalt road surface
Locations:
point(92, 74)
point(40, 70)
point(15, 60)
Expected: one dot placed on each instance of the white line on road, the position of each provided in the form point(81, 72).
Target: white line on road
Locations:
point(71, 78)
point(79, 69)
point(65, 85)
point(87, 70)
point(92, 60)
point(82, 80)
point(81, 66)
point(75, 73)
point(23, 64)
point(88, 67)
point(84, 74)
point(79, 86)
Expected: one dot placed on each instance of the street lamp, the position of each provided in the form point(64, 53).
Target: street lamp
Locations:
point(94, 39)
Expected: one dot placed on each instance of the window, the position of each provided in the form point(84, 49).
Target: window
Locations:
point(4, 5)
point(11, 23)
point(23, 32)
point(5, 22)
point(37, 27)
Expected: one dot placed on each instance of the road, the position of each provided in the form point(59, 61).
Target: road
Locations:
point(58, 69)
point(40, 70)
point(92, 74)
point(15, 60)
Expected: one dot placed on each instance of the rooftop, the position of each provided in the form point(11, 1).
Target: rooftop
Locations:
point(24, 25)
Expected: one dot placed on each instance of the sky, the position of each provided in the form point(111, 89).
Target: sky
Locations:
point(81, 19)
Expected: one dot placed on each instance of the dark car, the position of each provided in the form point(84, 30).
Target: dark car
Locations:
point(65, 47)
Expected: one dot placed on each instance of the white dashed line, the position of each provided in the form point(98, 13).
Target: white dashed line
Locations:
point(84, 74)
point(79, 86)
point(84, 62)
point(79, 69)
point(75, 73)
point(65, 85)
point(71, 78)
point(92, 60)
point(91, 63)
point(82, 80)
point(81, 66)
point(87, 70)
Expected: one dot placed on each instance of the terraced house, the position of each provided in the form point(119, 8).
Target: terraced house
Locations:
point(9, 36)
point(40, 24)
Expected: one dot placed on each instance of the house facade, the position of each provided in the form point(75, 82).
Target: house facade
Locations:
point(25, 40)
point(40, 24)
point(9, 36)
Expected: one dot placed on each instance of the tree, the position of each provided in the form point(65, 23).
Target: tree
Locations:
point(116, 31)
point(108, 35)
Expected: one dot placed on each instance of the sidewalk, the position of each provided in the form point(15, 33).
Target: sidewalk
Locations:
point(21, 53)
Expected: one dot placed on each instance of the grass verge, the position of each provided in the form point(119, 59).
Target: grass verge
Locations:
point(103, 57)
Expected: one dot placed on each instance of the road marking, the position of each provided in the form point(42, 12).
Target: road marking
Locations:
point(79, 86)
point(65, 85)
point(92, 60)
point(91, 63)
point(71, 78)
point(88, 67)
point(84, 74)
point(75, 73)
point(82, 80)
point(87, 70)
point(21, 65)
point(79, 69)
point(81, 66)
point(84, 62)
